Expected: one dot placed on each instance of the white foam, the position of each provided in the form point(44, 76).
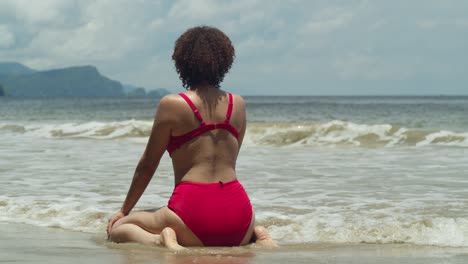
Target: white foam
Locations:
point(445, 138)
point(336, 228)
point(94, 130)
point(333, 133)
point(346, 132)
point(338, 132)
point(65, 213)
point(318, 227)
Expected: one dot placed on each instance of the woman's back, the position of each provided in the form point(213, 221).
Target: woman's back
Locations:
point(206, 155)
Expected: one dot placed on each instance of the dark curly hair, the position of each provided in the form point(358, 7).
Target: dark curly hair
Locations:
point(203, 54)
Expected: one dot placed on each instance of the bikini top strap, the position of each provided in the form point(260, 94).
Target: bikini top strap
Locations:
point(193, 107)
point(229, 110)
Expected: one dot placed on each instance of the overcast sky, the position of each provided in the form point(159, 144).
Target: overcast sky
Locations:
point(283, 47)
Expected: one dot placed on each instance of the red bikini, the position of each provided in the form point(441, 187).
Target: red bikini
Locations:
point(220, 213)
point(176, 141)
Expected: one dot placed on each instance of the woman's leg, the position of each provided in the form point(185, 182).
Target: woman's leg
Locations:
point(153, 224)
point(133, 233)
point(151, 221)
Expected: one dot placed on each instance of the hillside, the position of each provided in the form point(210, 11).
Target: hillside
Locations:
point(135, 91)
point(18, 80)
point(14, 68)
point(74, 81)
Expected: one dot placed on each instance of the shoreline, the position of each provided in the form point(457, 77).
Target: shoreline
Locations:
point(21, 243)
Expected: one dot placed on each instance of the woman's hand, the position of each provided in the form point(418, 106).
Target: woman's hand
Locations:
point(112, 221)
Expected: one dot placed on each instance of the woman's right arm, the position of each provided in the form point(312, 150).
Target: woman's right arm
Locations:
point(155, 148)
point(240, 106)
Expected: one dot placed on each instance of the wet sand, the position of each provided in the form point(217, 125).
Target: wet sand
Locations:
point(30, 244)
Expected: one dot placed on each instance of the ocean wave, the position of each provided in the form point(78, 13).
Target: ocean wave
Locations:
point(437, 231)
point(91, 130)
point(66, 213)
point(341, 133)
point(333, 133)
point(72, 214)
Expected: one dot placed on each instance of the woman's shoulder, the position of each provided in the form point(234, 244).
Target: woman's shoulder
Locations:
point(170, 105)
point(170, 100)
point(238, 100)
point(173, 101)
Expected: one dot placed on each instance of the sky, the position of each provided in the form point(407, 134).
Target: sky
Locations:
point(308, 47)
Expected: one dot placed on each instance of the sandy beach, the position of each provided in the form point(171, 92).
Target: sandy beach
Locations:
point(29, 244)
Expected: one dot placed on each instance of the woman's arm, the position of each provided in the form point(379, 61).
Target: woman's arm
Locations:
point(240, 106)
point(149, 161)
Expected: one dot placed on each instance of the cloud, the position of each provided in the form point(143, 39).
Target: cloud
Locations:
point(431, 24)
point(298, 44)
point(194, 10)
point(157, 24)
point(46, 13)
point(7, 39)
point(368, 67)
point(327, 21)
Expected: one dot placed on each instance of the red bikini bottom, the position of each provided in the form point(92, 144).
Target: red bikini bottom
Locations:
point(219, 214)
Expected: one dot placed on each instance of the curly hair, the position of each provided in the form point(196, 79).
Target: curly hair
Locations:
point(203, 54)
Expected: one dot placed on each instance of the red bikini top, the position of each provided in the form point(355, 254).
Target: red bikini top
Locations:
point(177, 141)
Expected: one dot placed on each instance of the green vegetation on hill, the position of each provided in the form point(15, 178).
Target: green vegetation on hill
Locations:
point(80, 81)
point(158, 92)
point(14, 68)
point(135, 91)
point(74, 81)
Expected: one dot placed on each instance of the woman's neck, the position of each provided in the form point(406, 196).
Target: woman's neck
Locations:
point(209, 94)
point(203, 87)
point(205, 90)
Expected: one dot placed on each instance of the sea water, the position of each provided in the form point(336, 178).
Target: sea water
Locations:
point(317, 169)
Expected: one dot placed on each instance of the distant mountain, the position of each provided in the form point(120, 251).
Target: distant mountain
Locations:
point(78, 81)
point(2, 93)
point(137, 92)
point(160, 92)
point(74, 81)
point(131, 90)
point(128, 88)
point(14, 68)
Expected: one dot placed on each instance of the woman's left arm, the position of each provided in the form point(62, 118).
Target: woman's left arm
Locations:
point(149, 161)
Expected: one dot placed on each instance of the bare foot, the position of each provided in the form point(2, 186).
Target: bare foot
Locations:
point(263, 238)
point(169, 239)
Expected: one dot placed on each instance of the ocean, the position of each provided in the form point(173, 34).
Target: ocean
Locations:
point(318, 170)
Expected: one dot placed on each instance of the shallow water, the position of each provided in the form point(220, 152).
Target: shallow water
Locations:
point(30, 244)
point(317, 169)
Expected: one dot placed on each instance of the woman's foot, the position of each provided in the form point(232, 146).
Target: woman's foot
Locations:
point(169, 239)
point(263, 238)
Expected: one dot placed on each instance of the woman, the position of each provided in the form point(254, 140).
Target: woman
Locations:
point(202, 129)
